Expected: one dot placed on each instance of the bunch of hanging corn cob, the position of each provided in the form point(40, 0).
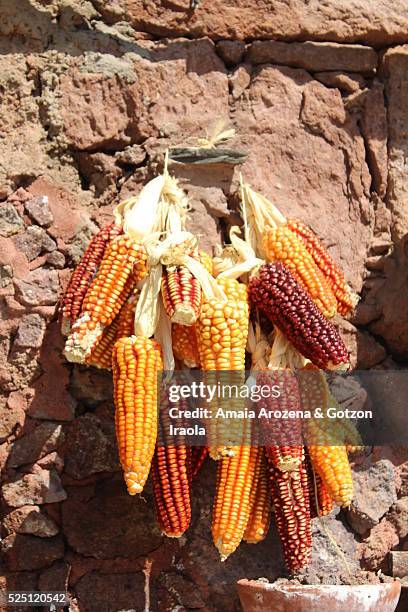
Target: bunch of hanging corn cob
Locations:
point(129, 307)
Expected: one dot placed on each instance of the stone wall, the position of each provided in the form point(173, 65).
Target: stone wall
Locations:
point(91, 95)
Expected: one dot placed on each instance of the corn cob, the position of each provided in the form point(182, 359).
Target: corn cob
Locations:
point(331, 271)
point(323, 438)
point(231, 510)
point(206, 260)
point(182, 295)
point(321, 503)
point(184, 340)
point(332, 465)
point(171, 487)
point(290, 497)
point(233, 289)
point(122, 327)
point(283, 245)
point(184, 337)
point(275, 292)
point(172, 475)
point(282, 438)
point(122, 266)
point(222, 331)
point(83, 274)
point(136, 362)
point(260, 504)
point(285, 454)
point(198, 456)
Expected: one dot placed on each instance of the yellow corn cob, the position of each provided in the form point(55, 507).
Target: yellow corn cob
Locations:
point(184, 339)
point(123, 265)
point(222, 331)
point(206, 261)
point(281, 244)
point(260, 503)
point(231, 511)
point(328, 456)
point(122, 326)
point(233, 289)
point(136, 362)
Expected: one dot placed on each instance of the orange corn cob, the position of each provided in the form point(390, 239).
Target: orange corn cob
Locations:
point(172, 475)
point(122, 266)
point(136, 362)
point(321, 503)
point(83, 274)
point(281, 244)
point(182, 295)
point(324, 440)
point(122, 327)
point(231, 510)
point(333, 274)
point(332, 465)
point(184, 339)
point(198, 456)
point(260, 504)
point(290, 497)
point(222, 331)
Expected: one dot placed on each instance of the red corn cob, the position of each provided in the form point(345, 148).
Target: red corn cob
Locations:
point(290, 497)
point(282, 437)
point(289, 307)
point(171, 487)
point(289, 487)
point(172, 475)
point(198, 456)
point(181, 293)
point(83, 274)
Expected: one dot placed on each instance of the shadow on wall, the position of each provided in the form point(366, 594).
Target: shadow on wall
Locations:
point(383, 310)
point(31, 30)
